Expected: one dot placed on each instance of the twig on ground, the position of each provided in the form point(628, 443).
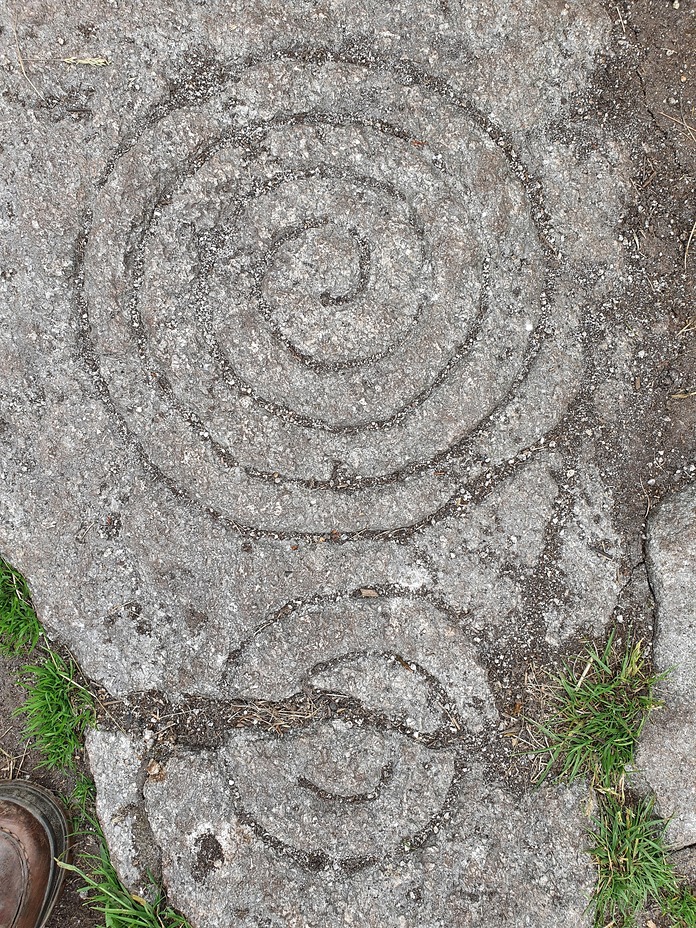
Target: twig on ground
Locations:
point(688, 244)
point(689, 130)
point(20, 59)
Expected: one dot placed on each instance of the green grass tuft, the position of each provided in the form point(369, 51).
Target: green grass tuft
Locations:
point(680, 908)
point(596, 711)
point(598, 707)
point(58, 710)
point(106, 894)
point(83, 796)
point(19, 627)
point(633, 867)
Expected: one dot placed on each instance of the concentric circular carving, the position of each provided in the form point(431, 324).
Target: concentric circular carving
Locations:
point(296, 303)
point(379, 775)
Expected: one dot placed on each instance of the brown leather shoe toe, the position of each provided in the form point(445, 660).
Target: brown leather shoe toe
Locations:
point(33, 832)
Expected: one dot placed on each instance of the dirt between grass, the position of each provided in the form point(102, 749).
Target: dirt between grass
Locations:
point(647, 92)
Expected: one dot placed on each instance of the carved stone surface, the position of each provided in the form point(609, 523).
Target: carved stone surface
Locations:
point(311, 403)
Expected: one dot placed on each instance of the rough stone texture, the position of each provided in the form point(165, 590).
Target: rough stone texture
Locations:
point(121, 769)
point(667, 755)
point(446, 883)
point(318, 354)
point(685, 863)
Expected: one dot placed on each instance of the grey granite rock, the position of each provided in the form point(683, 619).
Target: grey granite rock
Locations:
point(685, 864)
point(667, 755)
point(119, 765)
point(227, 851)
point(522, 865)
point(303, 369)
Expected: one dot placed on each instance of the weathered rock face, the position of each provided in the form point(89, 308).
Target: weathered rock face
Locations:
point(247, 841)
point(667, 755)
point(308, 394)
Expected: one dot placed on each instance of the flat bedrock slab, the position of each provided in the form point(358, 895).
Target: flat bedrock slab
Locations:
point(667, 755)
point(227, 857)
point(310, 398)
